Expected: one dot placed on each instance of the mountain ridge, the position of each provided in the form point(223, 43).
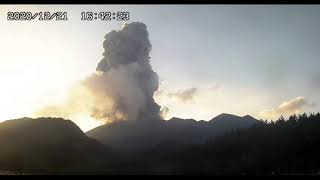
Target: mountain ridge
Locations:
point(50, 145)
point(129, 135)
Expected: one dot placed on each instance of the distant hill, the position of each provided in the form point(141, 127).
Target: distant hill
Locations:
point(225, 122)
point(287, 146)
point(58, 146)
point(176, 146)
point(50, 145)
point(135, 135)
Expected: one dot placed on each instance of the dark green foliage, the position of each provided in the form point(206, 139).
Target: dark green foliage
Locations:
point(289, 146)
point(286, 146)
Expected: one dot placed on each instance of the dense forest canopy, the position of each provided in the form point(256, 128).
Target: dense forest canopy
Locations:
point(284, 146)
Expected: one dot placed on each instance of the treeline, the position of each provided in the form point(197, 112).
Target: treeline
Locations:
point(286, 146)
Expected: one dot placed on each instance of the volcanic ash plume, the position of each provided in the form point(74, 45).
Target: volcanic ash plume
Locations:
point(123, 85)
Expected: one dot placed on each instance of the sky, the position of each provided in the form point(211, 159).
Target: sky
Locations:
point(260, 60)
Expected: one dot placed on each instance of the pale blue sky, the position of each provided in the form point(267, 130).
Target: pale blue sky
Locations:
point(262, 55)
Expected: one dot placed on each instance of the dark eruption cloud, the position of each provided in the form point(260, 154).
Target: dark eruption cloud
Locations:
point(124, 84)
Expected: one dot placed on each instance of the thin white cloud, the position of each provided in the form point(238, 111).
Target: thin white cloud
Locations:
point(293, 106)
point(216, 87)
point(184, 95)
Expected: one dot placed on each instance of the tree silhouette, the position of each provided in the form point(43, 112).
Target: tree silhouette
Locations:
point(286, 146)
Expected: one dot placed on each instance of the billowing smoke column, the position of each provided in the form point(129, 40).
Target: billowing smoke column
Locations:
point(124, 84)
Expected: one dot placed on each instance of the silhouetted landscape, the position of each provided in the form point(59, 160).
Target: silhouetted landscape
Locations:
point(47, 145)
point(93, 99)
point(241, 145)
point(135, 135)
